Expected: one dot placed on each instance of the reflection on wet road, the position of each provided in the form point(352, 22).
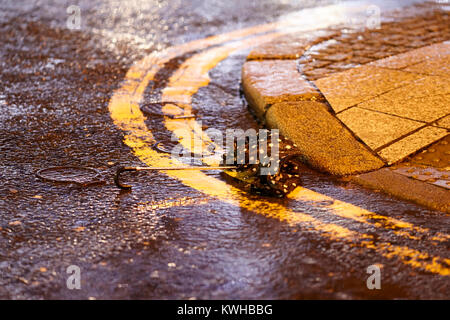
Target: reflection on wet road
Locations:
point(194, 234)
point(183, 84)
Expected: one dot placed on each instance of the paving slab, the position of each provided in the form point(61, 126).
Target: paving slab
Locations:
point(416, 56)
point(377, 129)
point(426, 99)
point(437, 155)
point(435, 67)
point(412, 143)
point(348, 88)
point(444, 122)
point(323, 141)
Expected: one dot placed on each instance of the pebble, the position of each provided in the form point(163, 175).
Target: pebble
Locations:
point(154, 274)
point(23, 280)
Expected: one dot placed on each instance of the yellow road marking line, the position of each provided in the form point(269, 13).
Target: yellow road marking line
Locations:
point(197, 68)
point(231, 195)
point(144, 69)
point(185, 82)
point(125, 111)
point(350, 211)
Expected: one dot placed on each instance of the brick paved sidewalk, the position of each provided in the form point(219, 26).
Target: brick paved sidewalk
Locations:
point(357, 102)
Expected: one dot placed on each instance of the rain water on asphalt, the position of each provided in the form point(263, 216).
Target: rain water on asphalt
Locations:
point(163, 239)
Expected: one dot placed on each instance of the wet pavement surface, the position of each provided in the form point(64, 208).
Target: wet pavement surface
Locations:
point(165, 239)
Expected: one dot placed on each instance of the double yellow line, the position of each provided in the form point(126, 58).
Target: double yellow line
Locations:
point(183, 84)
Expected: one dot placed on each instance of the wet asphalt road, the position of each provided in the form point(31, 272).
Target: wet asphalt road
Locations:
point(165, 240)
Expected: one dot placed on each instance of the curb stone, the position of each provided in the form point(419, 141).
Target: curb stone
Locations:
point(323, 141)
point(291, 46)
point(395, 184)
point(268, 82)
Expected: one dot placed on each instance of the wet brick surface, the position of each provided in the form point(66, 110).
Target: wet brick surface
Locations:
point(349, 49)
